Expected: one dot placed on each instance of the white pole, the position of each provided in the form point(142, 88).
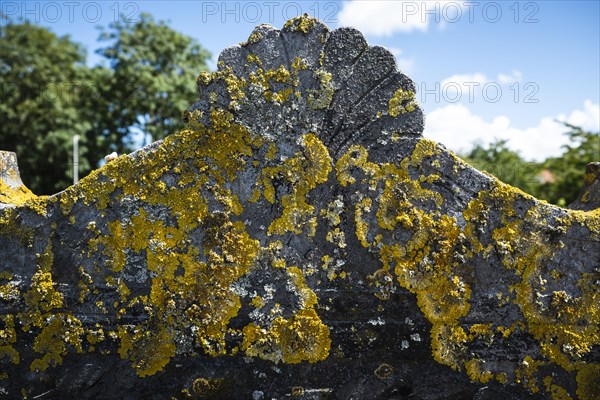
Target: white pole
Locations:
point(75, 159)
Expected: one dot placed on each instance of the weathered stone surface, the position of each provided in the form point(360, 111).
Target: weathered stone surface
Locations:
point(300, 239)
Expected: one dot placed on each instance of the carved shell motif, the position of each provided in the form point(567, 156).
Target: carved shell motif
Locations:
point(306, 78)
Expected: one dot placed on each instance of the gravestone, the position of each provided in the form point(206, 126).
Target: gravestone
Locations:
point(301, 239)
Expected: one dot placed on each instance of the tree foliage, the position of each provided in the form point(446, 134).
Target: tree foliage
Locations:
point(49, 95)
point(556, 180)
point(569, 168)
point(41, 77)
point(506, 164)
point(154, 73)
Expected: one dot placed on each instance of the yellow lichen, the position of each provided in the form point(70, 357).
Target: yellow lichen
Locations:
point(42, 297)
point(206, 387)
point(148, 350)
point(268, 81)
point(302, 23)
point(557, 392)
point(526, 373)
point(321, 98)
point(336, 237)
point(19, 195)
point(362, 227)
point(425, 265)
point(16, 193)
point(475, 369)
point(60, 331)
point(199, 297)
point(333, 211)
point(354, 159)
point(95, 336)
point(300, 338)
point(308, 299)
point(10, 290)
point(501, 377)
point(382, 280)
point(8, 337)
point(403, 101)
point(588, 382)
point(253, 38)
point(304, 172)
point(258, 302)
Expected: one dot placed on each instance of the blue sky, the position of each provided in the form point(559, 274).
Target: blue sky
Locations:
point(485, 69)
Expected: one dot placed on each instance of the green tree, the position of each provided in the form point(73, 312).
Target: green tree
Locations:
point(49, 95)
point(565, 173)
point(41, 77)
point(154, 78)
point(97, 108)
point(505, 164)
point(569, 168)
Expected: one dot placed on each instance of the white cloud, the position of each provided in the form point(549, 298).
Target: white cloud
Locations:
point(384, 18)
point(470, 86)
point(396, 52)
point(459, 81)
point(588, 118)
point(514, 76)
point(406, 65)
point(458, 128)
point(479, 79)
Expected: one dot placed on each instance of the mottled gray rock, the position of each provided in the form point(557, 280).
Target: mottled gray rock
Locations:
point(300, 239)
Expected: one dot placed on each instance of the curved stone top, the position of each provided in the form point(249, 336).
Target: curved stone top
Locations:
point(305, 78)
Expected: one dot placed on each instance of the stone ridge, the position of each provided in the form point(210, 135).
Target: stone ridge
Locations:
point(250, 258)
